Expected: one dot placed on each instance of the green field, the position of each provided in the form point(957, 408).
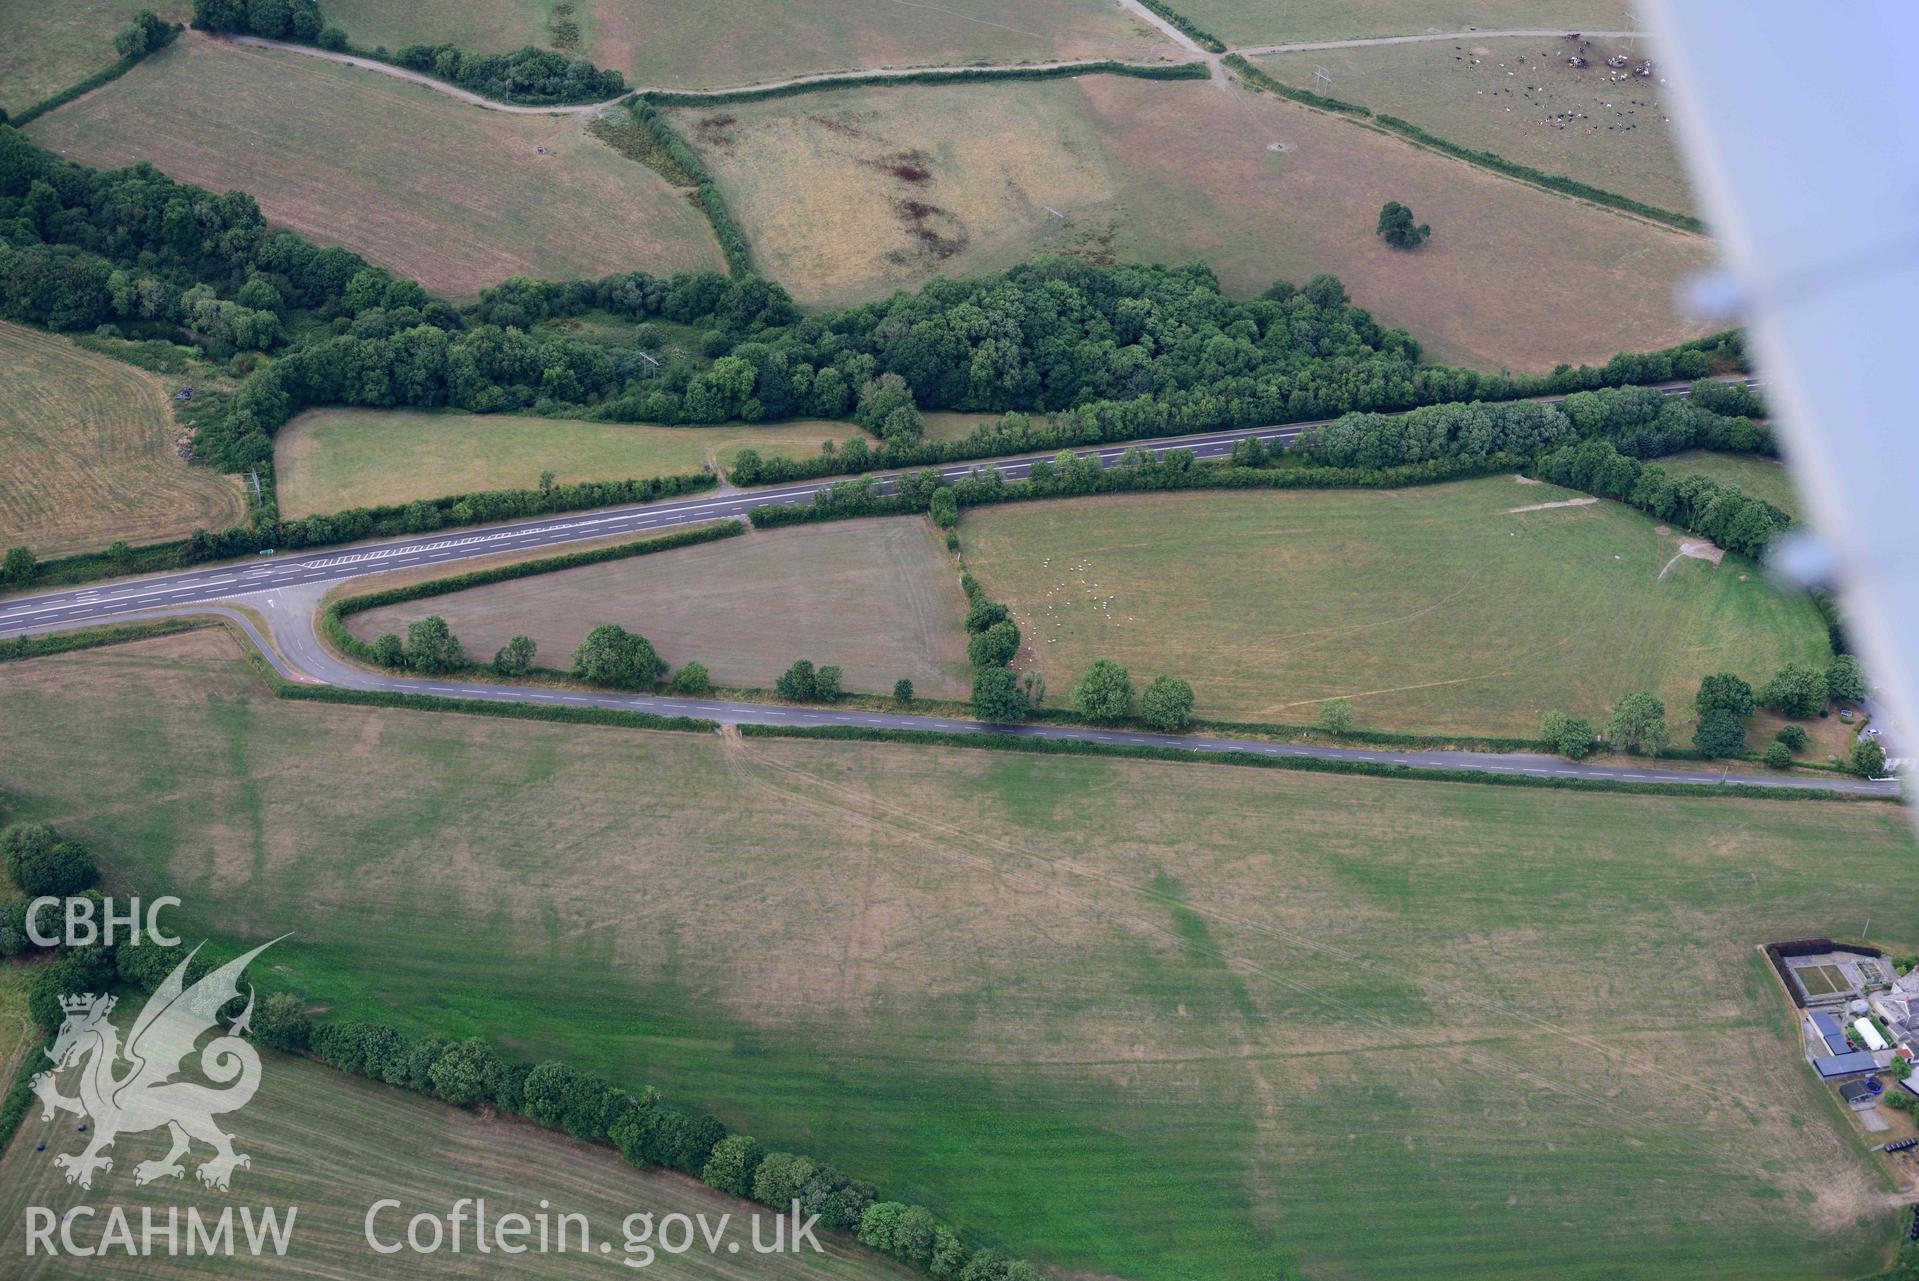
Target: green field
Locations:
point(330, 459)
point(1437, 609)
point(1147, 1020)
point(87, 453)
point(1519, 98)
point(452, 195)
point(1258, 22)
point(1759, 477)
point(46, 47)
point(878, 598)
point(331, 1145)
point(686, 44)
point(849, 195)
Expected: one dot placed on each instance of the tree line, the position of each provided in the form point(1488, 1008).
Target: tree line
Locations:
point(1104, 353)
point(538, 77)
point(470, 1074)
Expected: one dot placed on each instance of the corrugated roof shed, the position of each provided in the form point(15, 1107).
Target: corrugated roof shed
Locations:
point(1837, 1065)
point(1830, 1032)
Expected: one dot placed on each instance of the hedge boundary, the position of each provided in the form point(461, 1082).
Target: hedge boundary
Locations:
point(15, 649)
point(105, 76)
point(1007, 741)
point(333, 616)
point(1201, 36)
point(1415, 134)
point(929, 76)
point(739, 254)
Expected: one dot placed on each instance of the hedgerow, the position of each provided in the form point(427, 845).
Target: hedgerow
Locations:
point(1484, 159)
point(930, 76)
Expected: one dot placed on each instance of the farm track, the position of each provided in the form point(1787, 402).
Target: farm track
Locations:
point(288, 592)
point(1134, 7)
point(823, 78)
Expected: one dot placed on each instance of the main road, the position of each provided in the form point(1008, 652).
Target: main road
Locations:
point(52, 610)
point(287, 590)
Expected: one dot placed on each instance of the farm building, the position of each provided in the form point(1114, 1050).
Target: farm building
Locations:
point(1837, 1067)
point(1857, 1093)
point(1830, 1032)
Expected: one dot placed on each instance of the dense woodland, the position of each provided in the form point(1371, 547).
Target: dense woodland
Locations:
point(1068, 352)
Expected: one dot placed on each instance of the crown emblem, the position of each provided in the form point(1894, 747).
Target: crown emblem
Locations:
point(84, 1002)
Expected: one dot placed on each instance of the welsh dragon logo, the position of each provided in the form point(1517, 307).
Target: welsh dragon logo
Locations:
point(131, 1088)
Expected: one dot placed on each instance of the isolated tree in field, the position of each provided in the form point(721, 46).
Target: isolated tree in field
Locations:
point(1845, 679)
point(432, 647)
point(1793, 736)
point(1638, 725)
point(515, 658)
point(826, 683)
point(1778, 755)
point(18, 567)
point(1396, 226)
point(612, 656)
point(1868, 759)
point(144, 34)
point(1568, 736)
point(691, 679)
point(1724, 692)
point(1719, 733)
point(798, 681)
point(1335, 717)
point(1167, 704)
point(903, 690)
point(997, 695)
point(1105, 693)
point(1797, 690)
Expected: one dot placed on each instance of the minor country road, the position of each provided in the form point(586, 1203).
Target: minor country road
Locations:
point(588, 108)
point(301, 657)
point(53, 610)
point(1544, 33)
point(287, 592)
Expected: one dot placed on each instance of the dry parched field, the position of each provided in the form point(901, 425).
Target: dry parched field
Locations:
point(1438, 609)
point(1151, 1020)
point(880, 598)
point(328, 460)
point(696, 44)
point(849, 195)
point(46, 47)
point(1519, 98)
point(332, 1144)
point(452, 195)
point(1256, 22)
point(87, 453)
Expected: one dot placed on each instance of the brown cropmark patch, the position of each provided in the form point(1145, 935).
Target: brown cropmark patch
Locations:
point(838, 124)
point(716, 130)
point(907, 166)
point(935, 229)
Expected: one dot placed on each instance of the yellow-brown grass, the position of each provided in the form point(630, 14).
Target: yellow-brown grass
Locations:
point(87, 453)
point(878, 598)
point(452, 195)
point(1157, 171)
